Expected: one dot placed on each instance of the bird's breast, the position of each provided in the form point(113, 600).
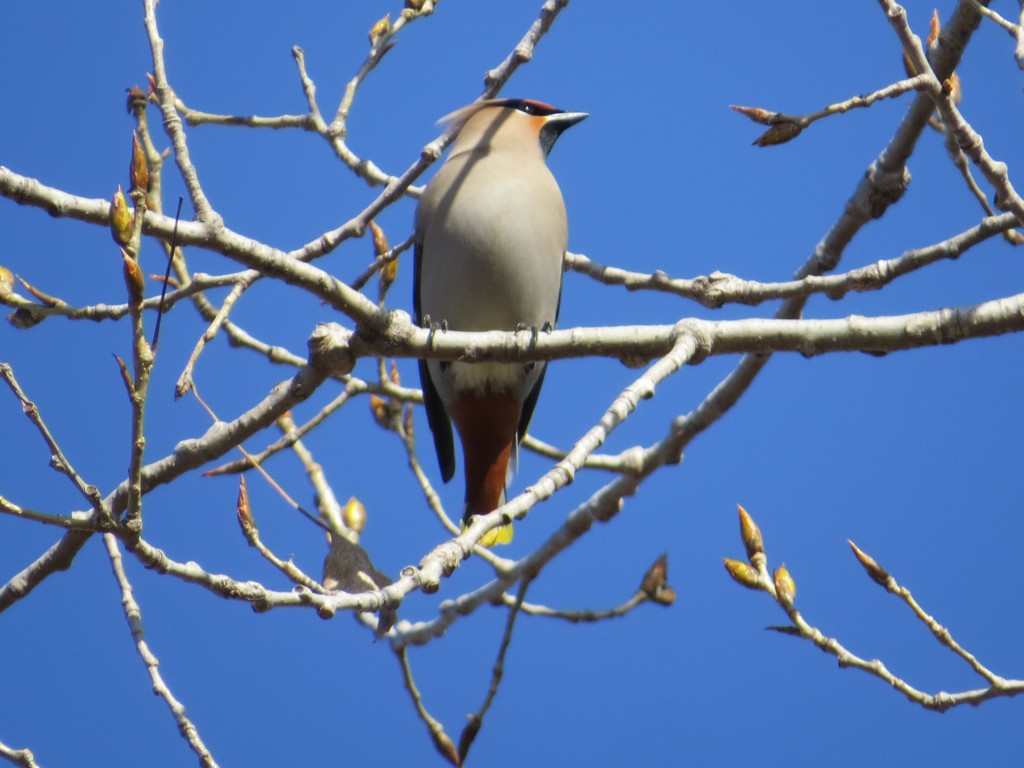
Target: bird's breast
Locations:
point(492, 248)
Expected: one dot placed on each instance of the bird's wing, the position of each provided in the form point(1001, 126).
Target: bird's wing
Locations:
point(437, 418)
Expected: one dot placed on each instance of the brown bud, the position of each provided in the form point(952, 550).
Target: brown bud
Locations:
point(742, 573)
point(952, 87)
point(381, 28)
point(655, 582)
point(750, 534)
point(136, 99)
point(381, 411)
point(45, 298)
point(353, 514)
point(389, 271)
point(875, 571)
point(120, 218)
point(908, 66)
point(407, 420)
point(139, 168)
point(134, 279)
point(126, 375)
point(785, 587)
point(779, 133)
point(243, 510)
point(758, 115)
point(934, 28)
point(395, 378)
point(380, 240)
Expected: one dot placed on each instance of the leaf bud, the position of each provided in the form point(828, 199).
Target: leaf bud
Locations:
point(381, 28)
point(875, 571)
point(139, 168)
point(785, 587)
point(120, 218)
point(751, 535)
point(742, 573)
point(353, 514)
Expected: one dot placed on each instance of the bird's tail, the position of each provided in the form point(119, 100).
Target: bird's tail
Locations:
point(487, 425)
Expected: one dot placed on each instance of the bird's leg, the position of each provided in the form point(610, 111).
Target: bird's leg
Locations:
point(432, 328)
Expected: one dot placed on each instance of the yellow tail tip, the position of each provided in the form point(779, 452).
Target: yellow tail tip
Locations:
point(500, 535)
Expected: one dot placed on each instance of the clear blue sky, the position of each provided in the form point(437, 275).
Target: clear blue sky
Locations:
point(915, 456)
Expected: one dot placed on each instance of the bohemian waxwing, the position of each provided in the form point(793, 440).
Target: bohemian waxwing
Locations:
point(491, 235)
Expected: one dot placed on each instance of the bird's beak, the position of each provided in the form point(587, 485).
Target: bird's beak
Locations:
point(564, 119)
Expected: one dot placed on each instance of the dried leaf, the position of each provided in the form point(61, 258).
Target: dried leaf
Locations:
point(348, 568)
point(779, 133)
point(136, 99)
point(23, 318)
point(655, 582)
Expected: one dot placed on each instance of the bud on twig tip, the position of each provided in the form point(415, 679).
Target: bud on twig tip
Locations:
point(758, 115)
point(878, 574)
point(750, 534)
point(655, 582)
point(243, 510)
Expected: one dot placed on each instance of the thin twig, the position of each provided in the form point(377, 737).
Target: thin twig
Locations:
point(718, 289)
point(326, 501)
point(442, 743)
point(57, 458)
point(10, 508)
point(476, 720)
point(252, 535)
point(133, 615)
point(782, 590)
point(577, 616)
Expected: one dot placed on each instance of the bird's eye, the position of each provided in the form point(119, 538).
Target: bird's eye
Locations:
point(529, 107)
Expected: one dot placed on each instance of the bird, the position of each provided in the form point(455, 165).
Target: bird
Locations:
point(489, 245)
